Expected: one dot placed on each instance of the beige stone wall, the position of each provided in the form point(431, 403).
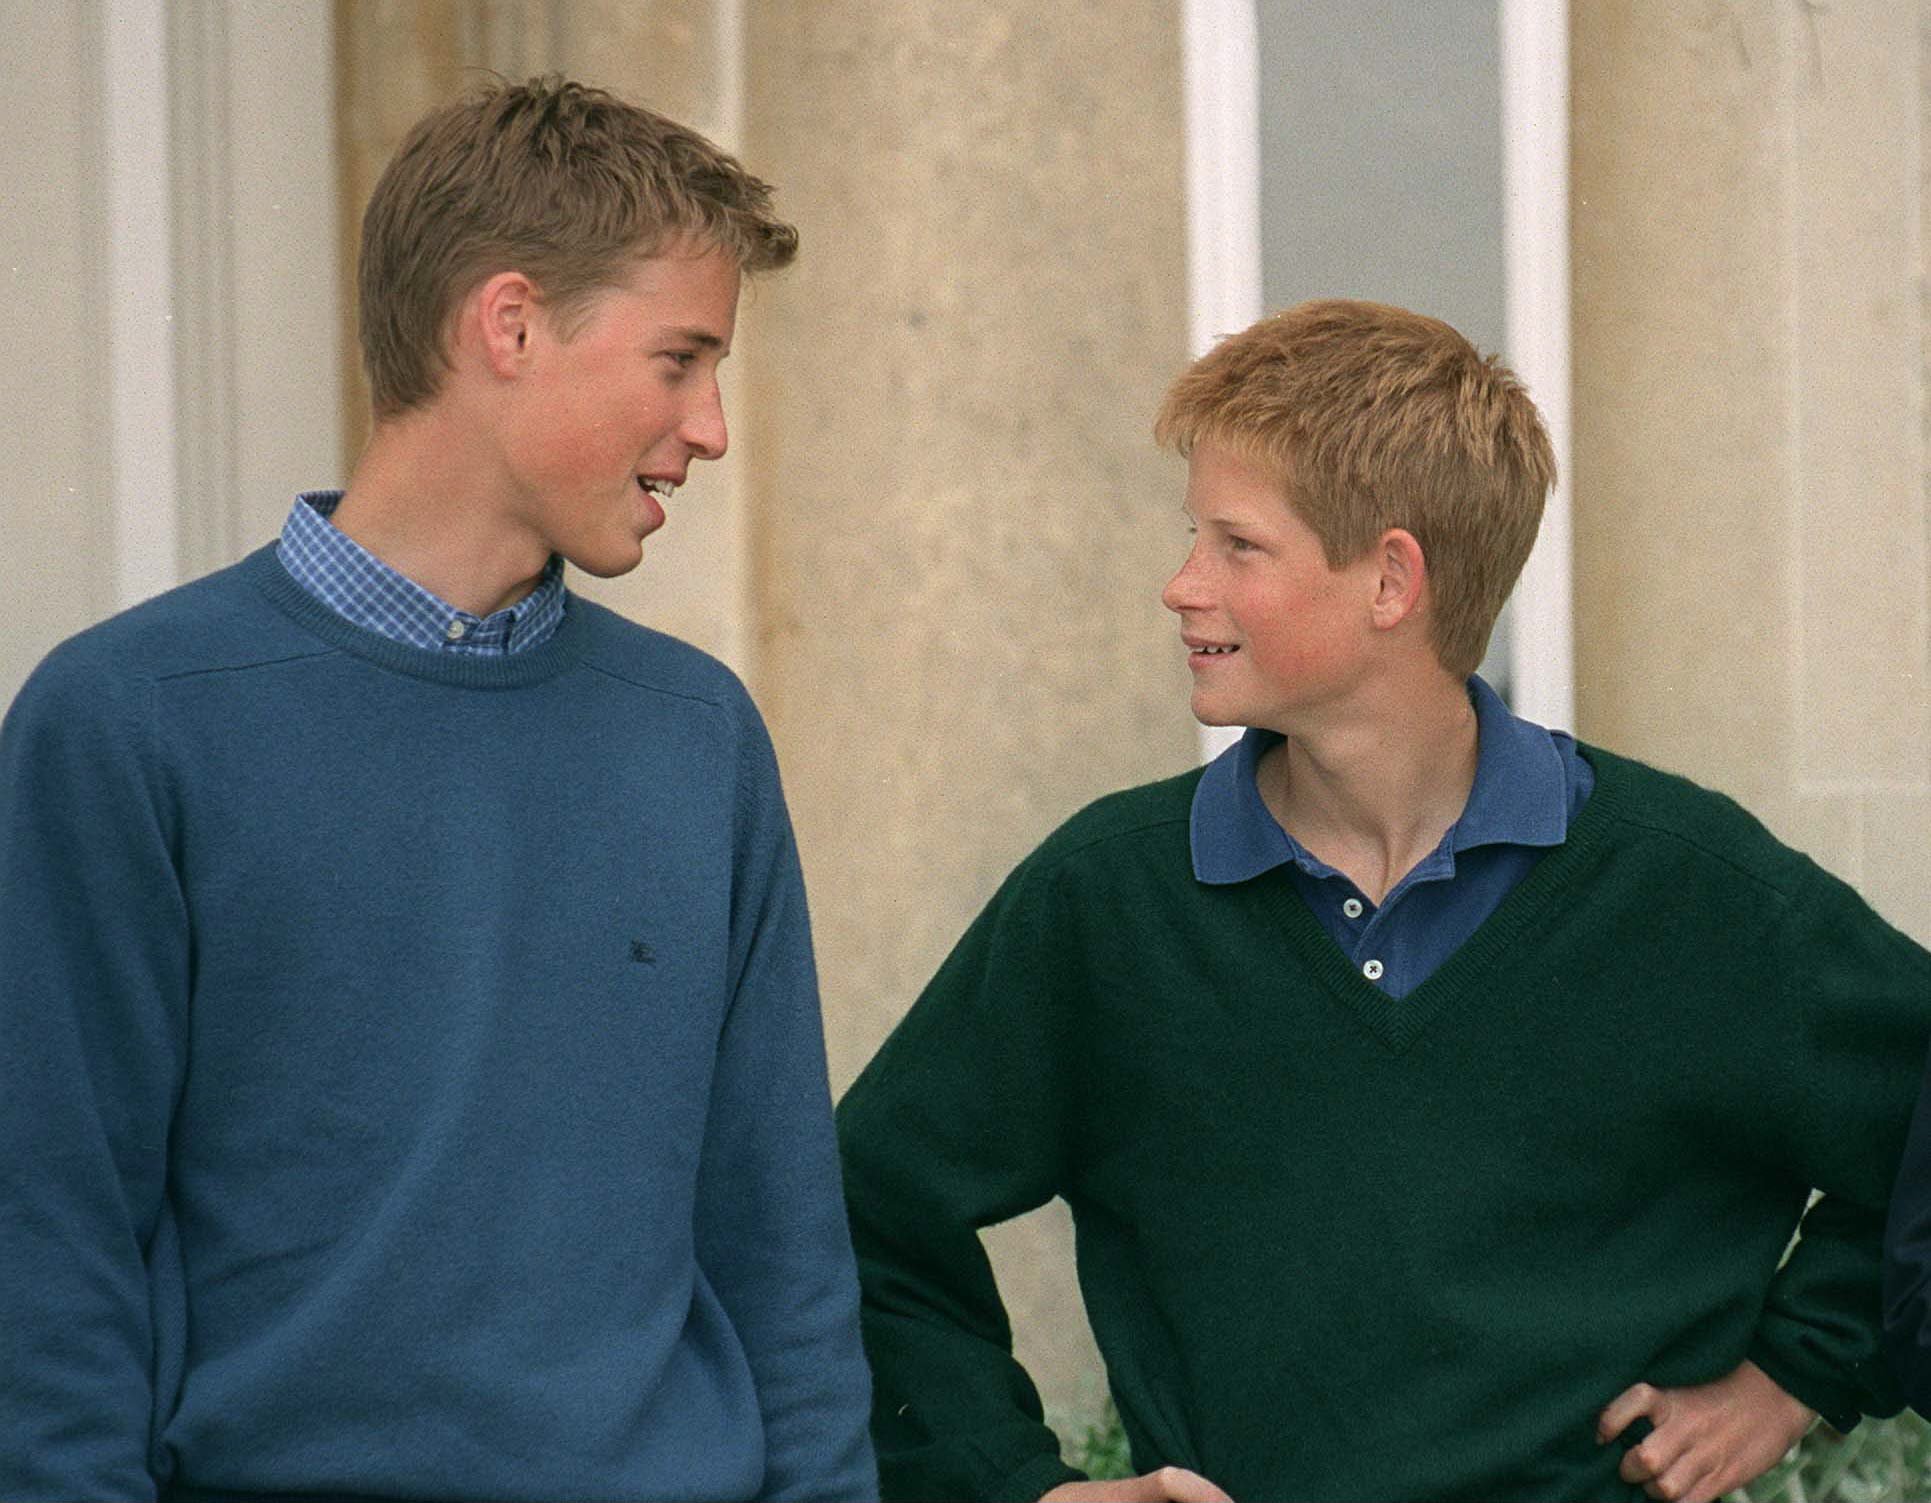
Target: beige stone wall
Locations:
point(56, 513)
point(961, 524)
point(1750, 358)
point(936, 548)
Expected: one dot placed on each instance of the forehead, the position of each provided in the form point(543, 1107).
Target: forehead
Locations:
point(1220, 476)
point(692, 292)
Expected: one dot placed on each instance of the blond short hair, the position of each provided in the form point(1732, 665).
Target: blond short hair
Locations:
point(1373, 417)
point(567, 184)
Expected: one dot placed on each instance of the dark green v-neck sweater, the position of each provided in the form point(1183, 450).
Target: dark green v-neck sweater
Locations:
point(1337, 1246)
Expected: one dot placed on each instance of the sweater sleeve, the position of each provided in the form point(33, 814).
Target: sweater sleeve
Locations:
point(94, 953)
point(959, 1122)
point(771, 1232)
point(1907, 1261)
point(1857, 997)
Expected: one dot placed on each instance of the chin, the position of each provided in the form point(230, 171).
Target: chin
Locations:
point(607, 563)
point(1208, 714)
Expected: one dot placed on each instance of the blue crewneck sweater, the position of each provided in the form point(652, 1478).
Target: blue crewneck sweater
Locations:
point(340, 1156)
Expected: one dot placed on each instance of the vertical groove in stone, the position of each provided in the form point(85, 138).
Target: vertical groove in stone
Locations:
point(961, 523)
point(1751, 502)
point(1923, 57)
point(1681, 420)
point(56, 513)
point(1865, 628)
point(398, 59)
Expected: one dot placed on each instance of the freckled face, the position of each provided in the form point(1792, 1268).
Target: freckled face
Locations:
point(1272, 633)
point(616, 409)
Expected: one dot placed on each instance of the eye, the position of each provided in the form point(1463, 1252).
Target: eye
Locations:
point(1239, 544)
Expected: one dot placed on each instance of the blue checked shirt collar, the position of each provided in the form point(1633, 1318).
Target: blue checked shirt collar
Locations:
point(361, 588)
point(1521, 796)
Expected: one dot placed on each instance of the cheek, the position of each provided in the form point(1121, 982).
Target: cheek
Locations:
point(1291, 633)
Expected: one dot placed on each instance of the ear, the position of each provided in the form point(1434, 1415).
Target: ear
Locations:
point(503, 313)
point(1403, 578)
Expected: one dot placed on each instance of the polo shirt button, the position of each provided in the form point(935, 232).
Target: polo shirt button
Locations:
point(1372, 970)
point(1351, 907)
point(455, 630)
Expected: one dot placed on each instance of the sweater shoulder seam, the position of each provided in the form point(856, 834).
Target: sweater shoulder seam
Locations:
point(1052, 856)
point(714, 702)
point(1788, 883)
point(170, 675)
point(1788, 889)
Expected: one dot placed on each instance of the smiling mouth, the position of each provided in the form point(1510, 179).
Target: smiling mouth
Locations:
point(1210, 652)
point(661, 489)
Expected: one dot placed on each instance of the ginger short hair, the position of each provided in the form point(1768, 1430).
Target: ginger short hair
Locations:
point(567, 184)
point(1373, 417)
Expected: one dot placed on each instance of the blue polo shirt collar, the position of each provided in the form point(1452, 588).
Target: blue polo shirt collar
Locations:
point(1521, 796)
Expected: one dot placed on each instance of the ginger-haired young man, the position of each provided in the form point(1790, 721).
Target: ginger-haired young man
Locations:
point(1435, 1097)
point(411, 1082)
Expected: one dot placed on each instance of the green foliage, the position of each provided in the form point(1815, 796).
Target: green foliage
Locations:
point(1881, 1461)
point(1099, 1447)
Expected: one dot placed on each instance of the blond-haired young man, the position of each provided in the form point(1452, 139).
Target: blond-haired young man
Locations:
point(1435, 1096)
point(413, 1083)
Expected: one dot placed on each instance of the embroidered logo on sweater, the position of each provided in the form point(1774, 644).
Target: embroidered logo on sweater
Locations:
point(642, 953)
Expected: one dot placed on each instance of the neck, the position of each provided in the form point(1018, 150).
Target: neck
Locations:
point(1372, 789)
point(431, 508)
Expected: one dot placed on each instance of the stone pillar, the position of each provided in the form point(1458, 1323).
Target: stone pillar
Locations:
point(961, 523)
point(56, 510)
point(1750, 357)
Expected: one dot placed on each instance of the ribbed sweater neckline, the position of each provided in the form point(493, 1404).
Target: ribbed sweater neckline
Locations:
point(564, 650)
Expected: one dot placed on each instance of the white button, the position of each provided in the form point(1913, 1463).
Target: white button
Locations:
point(1351, 907)
point(1372, 970)
point(455, 630)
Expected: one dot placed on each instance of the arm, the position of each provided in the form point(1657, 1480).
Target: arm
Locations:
point(959, 1122)
point(93, 997)
point(771, 1229)
point(1171, 1484)
point(1706, 1440)
point(1907, 1261)
point(1857, 1010)
point(1851, 1014)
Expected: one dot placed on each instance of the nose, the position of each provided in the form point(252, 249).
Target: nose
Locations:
point(703, 427)
point(1183, 592)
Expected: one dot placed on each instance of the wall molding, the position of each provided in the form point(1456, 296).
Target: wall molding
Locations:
point(220, 249)
point(138, 255)
point(202, 162)
point(1535, 236)
point(1220, 70)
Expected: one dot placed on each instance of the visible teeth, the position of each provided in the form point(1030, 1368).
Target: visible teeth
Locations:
point(1214, 649)
point(657, 487)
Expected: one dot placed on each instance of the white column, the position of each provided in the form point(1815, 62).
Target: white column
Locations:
point(140, 298)
point(1535, 215)
point(1221, 63)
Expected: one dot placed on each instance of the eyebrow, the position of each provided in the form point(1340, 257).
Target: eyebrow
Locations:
point(702, 338)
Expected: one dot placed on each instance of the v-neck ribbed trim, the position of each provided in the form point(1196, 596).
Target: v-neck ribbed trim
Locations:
point(1397, 1023)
